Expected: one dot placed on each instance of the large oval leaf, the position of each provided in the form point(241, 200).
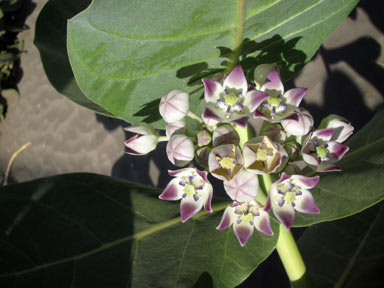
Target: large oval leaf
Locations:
point(50, 39)
point(84, 230)
point(346, 253)
point(127, 54)
point(360, 184)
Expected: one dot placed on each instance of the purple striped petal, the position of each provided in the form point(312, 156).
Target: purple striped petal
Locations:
point(258, 114)
point(306, 182)
point(172, 191)
point(309, 159)
point(325, 134)
point(208, 194)
point(236, 79)
point(189, 207)
point(273, 82)
point(242, 122)
point(306, 204)
point(203, 174)
point(284, 176)
point(174, 173)
point(295, 95)
point(338, 149)
point(326, 167)
point(254, 98)
point(210, 114)
point(262, 223)
point(227, 219)
point(212, 89)
point(243, 232)
point(285, 215)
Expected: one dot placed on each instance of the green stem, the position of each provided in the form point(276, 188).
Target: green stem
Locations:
point(238, 34)
point(162, 139)
point(286, 247)
point(192, 115)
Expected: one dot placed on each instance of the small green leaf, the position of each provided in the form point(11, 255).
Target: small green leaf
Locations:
point(359, 185)
point(346, 253)
point(127, 54)
point(50, 39)
point(85, 230)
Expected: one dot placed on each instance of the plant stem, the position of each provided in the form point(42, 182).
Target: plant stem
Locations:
point(238, 34)
point(192, 115)
point(286, 247)
point(10, 163)
point(162, 139)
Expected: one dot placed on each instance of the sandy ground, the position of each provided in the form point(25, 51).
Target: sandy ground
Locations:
point(343, 77)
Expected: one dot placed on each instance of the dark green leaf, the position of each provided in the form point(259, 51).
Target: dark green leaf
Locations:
point(84, 230)
point(360, 184)
point(346, 253)
point(50, 39)
point(127, 54)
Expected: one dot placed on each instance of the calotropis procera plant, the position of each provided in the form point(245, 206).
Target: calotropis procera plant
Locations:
point(284, 146)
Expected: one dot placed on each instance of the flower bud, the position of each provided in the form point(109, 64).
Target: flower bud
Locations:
point(261, 73)
point(225, 134)
point(144, 141)
point(299, 123)
point(202, 156)
point(203, 138)
point(174, 106)
point(342, 129)
point(175, 127)
point(180, 150)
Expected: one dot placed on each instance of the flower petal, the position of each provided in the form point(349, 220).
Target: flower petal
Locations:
point(262, 223)
point(208, 193)
point(243, 232)
point(254, 98)
point(227, 219)
point(141, 145)
point(305, 203)
point(242, 122)
point(212, 90)
point(172, 192)
point(295, 95)
point(189, 207)
point(325, 134)
point(174, 106)
point(258, 114)
point(236, 80)
point(337, 149)
point(285, 214)
point(273, 83)
point(305, 182)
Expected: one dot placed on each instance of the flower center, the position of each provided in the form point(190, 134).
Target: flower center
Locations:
point(193, 186)
point(230, 102)
point(230, 99)
point(274, 101)
point(226, 163)
point(321, 151)
point(287, 194)
point(273, 105)
point(246, 213)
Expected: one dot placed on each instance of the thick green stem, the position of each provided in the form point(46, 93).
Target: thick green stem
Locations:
point(238, 34)
point(286, 247)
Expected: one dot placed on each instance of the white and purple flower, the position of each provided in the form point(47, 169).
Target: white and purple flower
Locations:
point(231, 101)
point(144, 141)
point(320, 153)
point(342, 127)
point(290, 194)
point(278, 105)
point(299, 123)
point(180, 150)
point(174, 106)
point(245, 217)
point(243, 186)
point(225, 161)
point(193, 188)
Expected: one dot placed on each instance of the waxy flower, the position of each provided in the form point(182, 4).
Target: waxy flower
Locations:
point(320, 153)
point(278, 105)
point(180, 150)
point(245, 217)
point(231, 101)
point(243, 186)
point(342, 128)
point(290, 193)
point(299, 123)
point(262, 156)
point(225, 161)
point(203, 138)
point(193, 188)
point(144, 141)
point(175, 127)
point(225, 134)
point(174, 106)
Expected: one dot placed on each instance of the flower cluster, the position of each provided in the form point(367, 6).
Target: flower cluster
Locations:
point(285, 147)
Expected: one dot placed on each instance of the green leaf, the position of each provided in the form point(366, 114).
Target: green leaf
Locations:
point(346, 253)
point(85, 230)
point(359, 185)
point(127, 54)
point(50, 39)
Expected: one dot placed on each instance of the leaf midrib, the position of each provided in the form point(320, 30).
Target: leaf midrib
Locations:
point(138, 236)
